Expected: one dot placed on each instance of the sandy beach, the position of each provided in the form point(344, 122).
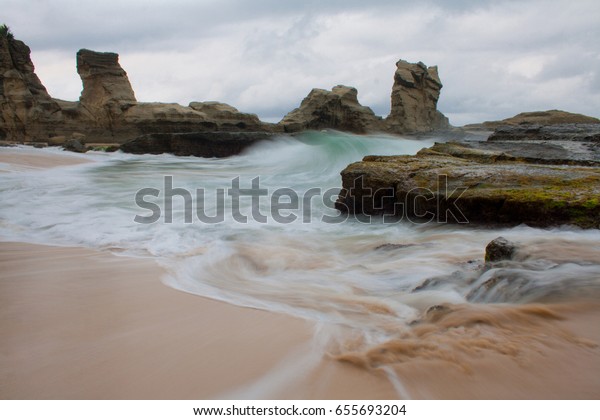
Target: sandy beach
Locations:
point(81, 324)
point(26, 159)
point(77, 323)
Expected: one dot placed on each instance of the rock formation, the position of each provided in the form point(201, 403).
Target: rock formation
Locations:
point(106, 88)
point(108, 112)
point(202, 144)
point(415, 95)
point(500, 249)
point(337, 109)
point(109, 101)
point(27, 112)
point(455, 183)
point(555, 132)
point(551, 117)
point(228, 117)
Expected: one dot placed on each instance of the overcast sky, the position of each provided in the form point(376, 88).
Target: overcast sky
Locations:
point(495, 58)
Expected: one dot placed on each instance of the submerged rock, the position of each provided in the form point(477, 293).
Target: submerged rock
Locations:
point(500, 249)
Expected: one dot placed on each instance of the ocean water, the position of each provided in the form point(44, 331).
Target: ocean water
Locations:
point(306, 261)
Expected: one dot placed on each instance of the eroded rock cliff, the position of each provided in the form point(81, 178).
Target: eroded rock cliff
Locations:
point(27, 112)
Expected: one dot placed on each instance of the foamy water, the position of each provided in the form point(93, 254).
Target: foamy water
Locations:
point(335, 273)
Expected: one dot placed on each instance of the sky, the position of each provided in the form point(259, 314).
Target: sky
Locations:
point(495, 58)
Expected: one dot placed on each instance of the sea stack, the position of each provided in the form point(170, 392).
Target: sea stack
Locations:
point(106, 88)
point(415, 95)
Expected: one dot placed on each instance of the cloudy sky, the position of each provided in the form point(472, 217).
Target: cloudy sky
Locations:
point(495, 58)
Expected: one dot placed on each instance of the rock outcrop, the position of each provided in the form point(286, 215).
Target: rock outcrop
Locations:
point(540, 118)
point(415, 95)
point(530, 151)
point(458, 184)
point(500, 249)
point(106, 89)
point(202, 144)
point(555, 132)
point(27, 112)
point(108, 113)
point(337, 109)
point(109, 101)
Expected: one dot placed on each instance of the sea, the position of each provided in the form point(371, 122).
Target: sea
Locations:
point(261, 230)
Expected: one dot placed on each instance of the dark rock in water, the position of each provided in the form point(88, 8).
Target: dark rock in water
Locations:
point(112, 148)
point(203, 144)
point(436, 312)
point(500, 249)
point(556, 132)
point(392, 247)
point(74, 145)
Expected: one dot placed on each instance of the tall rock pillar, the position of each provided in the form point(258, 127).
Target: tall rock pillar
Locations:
point(415, 95)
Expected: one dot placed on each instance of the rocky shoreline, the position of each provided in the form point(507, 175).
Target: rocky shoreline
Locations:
point(539, 168)
point(535, 181)
point(108, 112)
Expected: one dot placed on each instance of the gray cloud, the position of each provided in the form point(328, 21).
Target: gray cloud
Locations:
point(496, 58)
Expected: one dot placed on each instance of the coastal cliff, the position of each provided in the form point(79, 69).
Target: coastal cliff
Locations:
point(27, 112)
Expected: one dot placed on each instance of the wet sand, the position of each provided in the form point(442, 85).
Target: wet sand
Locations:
point(26, 159)
point(82, 324)
point(533, 351)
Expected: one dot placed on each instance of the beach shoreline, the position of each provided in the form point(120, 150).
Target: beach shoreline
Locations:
point(78, 323)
